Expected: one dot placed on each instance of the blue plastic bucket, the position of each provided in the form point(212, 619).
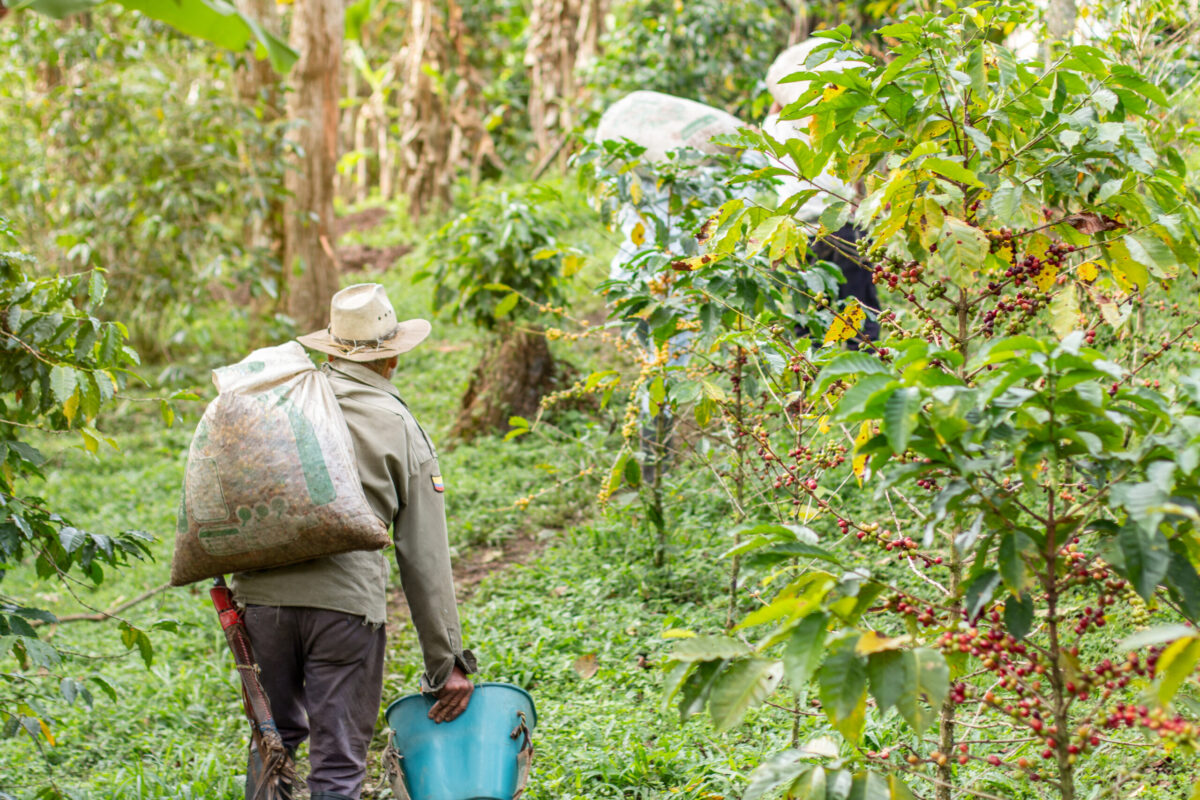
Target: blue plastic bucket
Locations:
point(477, 756)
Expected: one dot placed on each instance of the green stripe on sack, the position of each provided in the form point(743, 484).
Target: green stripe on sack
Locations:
point(220, 533)
point(316, 476)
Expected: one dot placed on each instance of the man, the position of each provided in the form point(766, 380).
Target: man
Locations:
point(317, 627)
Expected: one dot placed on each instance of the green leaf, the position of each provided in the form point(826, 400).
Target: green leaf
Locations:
point(506, 305)
point(900, 417)
point(1175, 665)
point(1013, 544)
point(709, 648)
point(952, 170)
point(741, 687)
point(980, 590)
point(889, 672)
point(1018, 615)
point(809, 786)
point(777, 770)
point(963, 248)
point(1147, 557)
point(1153, 253)
point(1156, 635)
point(1006, 203)
point(870, 786)
point(213, 20)
point(931, 681)
point(97, 288)
point(62, 382)
point(105, 687)
point(854, 363)
point(695, 691)
point(1183, 579)
point(843, 688)
point(804, 650)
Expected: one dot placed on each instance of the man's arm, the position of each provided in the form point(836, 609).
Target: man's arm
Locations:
point(423, 556)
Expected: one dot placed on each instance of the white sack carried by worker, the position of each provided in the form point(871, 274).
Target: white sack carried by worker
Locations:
point(829, 187)
point(271, 478)
point(662, 123)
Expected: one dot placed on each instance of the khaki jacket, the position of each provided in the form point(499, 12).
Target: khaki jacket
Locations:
point(403, 484)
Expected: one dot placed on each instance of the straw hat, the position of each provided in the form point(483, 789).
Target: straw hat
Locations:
point(363, 327)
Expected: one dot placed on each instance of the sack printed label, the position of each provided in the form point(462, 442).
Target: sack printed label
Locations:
point(437, 483)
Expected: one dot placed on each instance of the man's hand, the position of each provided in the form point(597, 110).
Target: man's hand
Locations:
point(452, 699)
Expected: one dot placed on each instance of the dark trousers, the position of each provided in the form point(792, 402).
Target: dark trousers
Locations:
point(323, 673)
point(839, 249)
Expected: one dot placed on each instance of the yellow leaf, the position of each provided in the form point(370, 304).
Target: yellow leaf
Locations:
point(871, 642)
point(635, 191)
point(46, 732)
point(831, 92)
point(571, 264)
point(1006, 252)
point(1045, 277)
point(1112, 315)
point(1064, 312)
point(859, 463)
point(935, 129)
point(847, 324)
point(823, 424)
point(1088, 271)
point(586, 666)
point(856, 165)
point(678, 633)
point(71, 407)
point(638, 235)
point(1039, 245)
point(930, 221)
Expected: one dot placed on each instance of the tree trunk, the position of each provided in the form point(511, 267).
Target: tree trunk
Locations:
point(564, 34)
point(1060, 22)
point(309, 265)
point(511, 379)
point(258, 88)
point(441, 121)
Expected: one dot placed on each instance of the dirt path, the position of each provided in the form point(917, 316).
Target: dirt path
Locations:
point(365, 257)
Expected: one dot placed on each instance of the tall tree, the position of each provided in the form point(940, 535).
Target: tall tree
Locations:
point(440, 106)
point(310, 266)
point(258, 88)
point(564, 34)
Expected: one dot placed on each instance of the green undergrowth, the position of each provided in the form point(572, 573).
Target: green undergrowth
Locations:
point(176, 731)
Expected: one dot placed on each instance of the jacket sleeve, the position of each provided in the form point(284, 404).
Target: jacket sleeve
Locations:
point(423, 556)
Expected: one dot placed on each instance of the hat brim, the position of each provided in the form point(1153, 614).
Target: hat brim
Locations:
point(409, 334)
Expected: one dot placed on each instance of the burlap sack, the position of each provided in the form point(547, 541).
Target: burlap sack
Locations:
point(662, 123)
point(270, 478)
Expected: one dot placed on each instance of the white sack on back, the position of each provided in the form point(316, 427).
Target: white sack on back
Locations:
point(271, 478)
point(662, 123)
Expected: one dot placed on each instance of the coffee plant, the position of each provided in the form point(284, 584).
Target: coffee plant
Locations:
point(59, 365)
point(1017, 216)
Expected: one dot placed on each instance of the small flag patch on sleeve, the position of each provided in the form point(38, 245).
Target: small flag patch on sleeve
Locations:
point(437, 483)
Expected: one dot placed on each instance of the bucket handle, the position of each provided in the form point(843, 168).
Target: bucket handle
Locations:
point(394, 767)
point(524, 755)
